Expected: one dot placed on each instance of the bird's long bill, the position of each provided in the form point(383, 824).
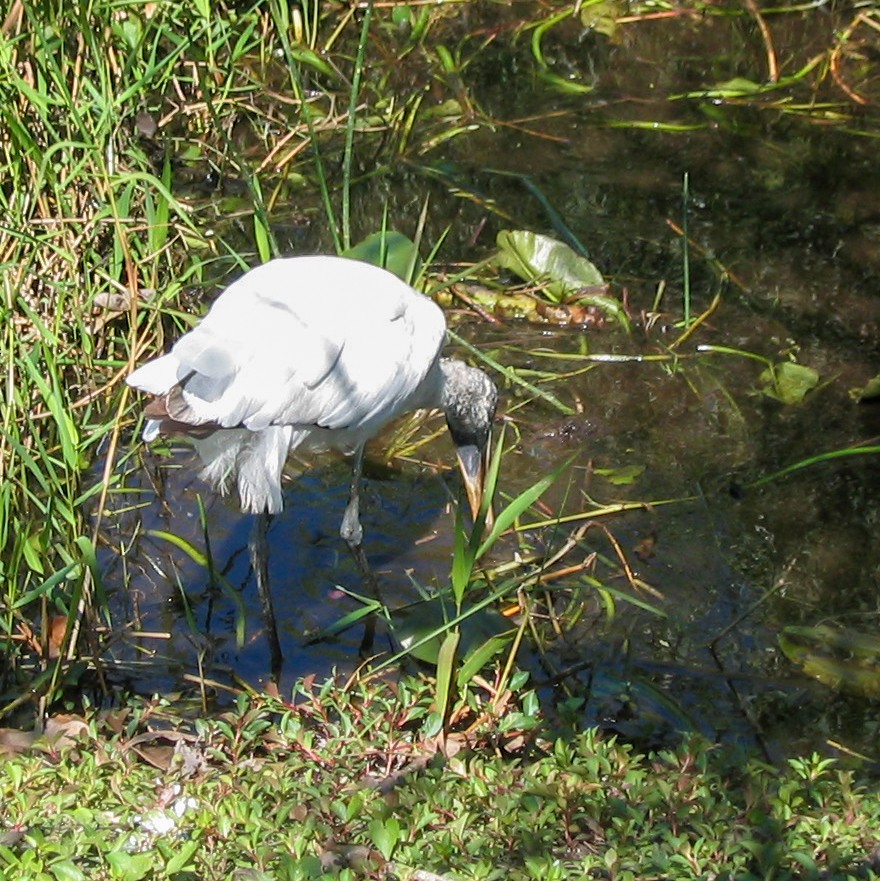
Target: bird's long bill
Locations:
point(472, 462)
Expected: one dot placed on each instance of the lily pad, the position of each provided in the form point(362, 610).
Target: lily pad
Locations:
point(563, 273)
point(788, 382)
point(538, 258)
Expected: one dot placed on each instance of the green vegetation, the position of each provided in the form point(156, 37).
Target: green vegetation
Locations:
point(151, 150)
point(341, 785)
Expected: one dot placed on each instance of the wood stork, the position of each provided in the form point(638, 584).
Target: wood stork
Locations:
point(312, 352)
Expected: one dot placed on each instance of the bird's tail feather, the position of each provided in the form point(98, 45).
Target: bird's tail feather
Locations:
point(252, 460)
point(156, 376)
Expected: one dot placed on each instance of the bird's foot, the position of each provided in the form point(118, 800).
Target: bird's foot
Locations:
point(351, 530)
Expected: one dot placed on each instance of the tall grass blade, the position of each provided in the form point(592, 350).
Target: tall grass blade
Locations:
point(348, 152)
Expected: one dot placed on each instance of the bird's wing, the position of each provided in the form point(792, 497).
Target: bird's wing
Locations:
point(307, 341)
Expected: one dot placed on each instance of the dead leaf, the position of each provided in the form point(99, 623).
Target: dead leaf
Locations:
point(14, 742)
point(64, 730)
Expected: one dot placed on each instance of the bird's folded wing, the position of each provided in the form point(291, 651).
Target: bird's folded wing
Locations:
point(261, 359)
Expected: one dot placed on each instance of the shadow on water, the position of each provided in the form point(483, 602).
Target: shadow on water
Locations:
point(789, 211)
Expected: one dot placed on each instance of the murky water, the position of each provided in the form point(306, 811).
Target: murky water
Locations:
point(789, 208)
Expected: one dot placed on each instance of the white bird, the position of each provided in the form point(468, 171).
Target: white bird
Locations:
point(312, 352)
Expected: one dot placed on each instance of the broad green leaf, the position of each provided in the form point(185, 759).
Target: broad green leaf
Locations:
point(390, 249)
point(788, 382)
point(538, 258)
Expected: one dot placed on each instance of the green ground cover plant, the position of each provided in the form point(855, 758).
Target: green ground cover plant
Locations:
point(340, 783)
point(146, 154)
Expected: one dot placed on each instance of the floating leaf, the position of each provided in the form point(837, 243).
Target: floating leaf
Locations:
point(869, 392)
point(625, 476)
point(535, 257)
point(838, 658)
point(788, 382)
point(563, 272)
point(602, 17)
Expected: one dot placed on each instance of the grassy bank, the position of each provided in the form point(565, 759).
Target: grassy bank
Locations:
point(339, 784)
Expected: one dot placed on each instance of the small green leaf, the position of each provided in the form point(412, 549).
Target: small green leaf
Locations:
point(624, 476)
point(389, 249)
point(446, 660)
point(563, 84)
point(869, 391)
point(181, 544)
point(67, 871)
point(313, 60)
point(447, 62)
point(182, 859)
point(480, 657)
point(130, 866)
point(385, 834)
point(401, 14)
point(734, 88)
point(46, 587)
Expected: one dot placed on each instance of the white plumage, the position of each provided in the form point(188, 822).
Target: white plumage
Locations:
point(317, 352)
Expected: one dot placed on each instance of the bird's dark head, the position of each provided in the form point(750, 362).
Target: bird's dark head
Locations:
point(469, 399)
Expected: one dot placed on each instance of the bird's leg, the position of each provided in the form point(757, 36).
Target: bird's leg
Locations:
point(351, 530)
point(259, 552)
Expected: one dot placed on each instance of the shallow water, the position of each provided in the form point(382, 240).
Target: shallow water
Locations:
point(789, 208)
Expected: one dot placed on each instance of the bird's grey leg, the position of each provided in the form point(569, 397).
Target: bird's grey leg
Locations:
point(259, 552)
point(351, 530)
